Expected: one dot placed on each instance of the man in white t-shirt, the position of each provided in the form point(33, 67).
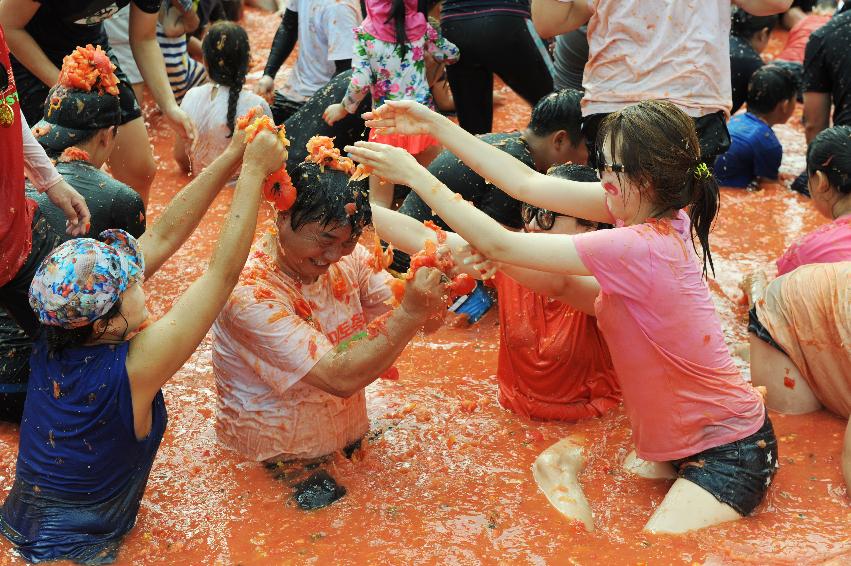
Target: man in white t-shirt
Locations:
point(323, 30)
point(654, 49)
point(308, 327)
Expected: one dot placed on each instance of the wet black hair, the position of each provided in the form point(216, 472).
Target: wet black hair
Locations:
point(574, 172)
point(226, 53)
point(658, 146)
point(581, 174)
point(323, 196)
point(769, 86)
point(830, 153)
point(746, 25)
point(59, 339)
point(558, 110)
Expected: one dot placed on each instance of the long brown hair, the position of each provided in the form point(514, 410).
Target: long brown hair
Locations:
point(658, 146)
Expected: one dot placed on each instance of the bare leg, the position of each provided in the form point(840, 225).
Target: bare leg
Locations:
point(647, 469)
point(132, 161)
point(788, 391)
point(846, 458)
point(556, 472)
point(688, 507)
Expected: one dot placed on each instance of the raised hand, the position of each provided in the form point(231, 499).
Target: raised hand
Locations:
point(487, 268)
point(266, 152)
point(402, 117)
point(334, 113)
point(393, 164)
point(424, 294)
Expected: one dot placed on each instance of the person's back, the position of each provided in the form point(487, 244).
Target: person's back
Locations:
point(827, 65)
point(207, 105)
point(74, 394)
point(799, 35)
point(755, 152)
point(658, 50)
point(215, 105)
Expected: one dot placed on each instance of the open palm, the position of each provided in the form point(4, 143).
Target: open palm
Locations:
point(401, 117)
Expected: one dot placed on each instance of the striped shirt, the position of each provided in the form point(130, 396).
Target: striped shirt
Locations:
point(183, 71)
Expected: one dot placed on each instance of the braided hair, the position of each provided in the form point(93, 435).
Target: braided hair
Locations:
point(226, 54)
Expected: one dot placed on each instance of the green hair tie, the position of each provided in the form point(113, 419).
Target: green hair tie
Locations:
point(701, 171)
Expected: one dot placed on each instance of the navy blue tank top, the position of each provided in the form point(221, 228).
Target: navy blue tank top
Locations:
point(81, 472)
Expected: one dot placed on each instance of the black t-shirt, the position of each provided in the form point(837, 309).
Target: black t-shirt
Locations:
point(453, 173)
point(744, 60)
point(61, 25)
point(569, 58)
point(454, 9)
point(827, 65)
point(112, 205)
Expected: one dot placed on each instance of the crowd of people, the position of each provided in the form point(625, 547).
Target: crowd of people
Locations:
point(590, 229)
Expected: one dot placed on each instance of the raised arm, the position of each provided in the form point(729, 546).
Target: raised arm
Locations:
point(582, 200)
point(545, 252)
point(14, 17)
point(343, 372)
point(554, 17)
point(410, 235)
point(160, 350)
point(185, 210)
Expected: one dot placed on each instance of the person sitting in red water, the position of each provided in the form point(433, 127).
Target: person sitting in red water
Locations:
point(800, 322)
point(308, 327)
point(553, 362)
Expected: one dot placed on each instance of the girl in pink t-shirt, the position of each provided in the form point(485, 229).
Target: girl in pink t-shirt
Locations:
point(829, 182)
point(686, 400)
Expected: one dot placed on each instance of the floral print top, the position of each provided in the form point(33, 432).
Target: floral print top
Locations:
point(378, 68)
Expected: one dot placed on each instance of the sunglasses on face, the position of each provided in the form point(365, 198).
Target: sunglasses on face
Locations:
point(545, 218)
point(602, 166)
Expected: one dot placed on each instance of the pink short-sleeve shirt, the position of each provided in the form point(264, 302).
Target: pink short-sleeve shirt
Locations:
point(681, 389)
point(830, 243)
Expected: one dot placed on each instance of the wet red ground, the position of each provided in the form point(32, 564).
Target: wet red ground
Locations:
point(442, 485)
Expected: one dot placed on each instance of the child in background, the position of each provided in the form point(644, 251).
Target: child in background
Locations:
point(687, 401)
point(389, 62)
point(553, 362)
point(178, 18)
point(215, 105)
point(755, 152)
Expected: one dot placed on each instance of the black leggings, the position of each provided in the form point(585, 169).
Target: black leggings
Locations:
point(501, 44)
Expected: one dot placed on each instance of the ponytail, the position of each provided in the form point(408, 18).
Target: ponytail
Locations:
point(226, 52)
point(704, 196)
point(397, 16)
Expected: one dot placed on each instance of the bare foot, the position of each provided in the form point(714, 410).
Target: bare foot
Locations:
point(647, 469)
point(555, 471)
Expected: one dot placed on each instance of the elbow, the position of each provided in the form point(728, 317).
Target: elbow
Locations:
point(545, 27)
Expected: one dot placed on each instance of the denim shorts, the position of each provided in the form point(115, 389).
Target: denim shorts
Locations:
point(737, 473)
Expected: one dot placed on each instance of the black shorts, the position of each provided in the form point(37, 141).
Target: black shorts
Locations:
point(755, 326)
point(711, 129)
point(737, 473)
point(283, 108)
point(33, 93)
